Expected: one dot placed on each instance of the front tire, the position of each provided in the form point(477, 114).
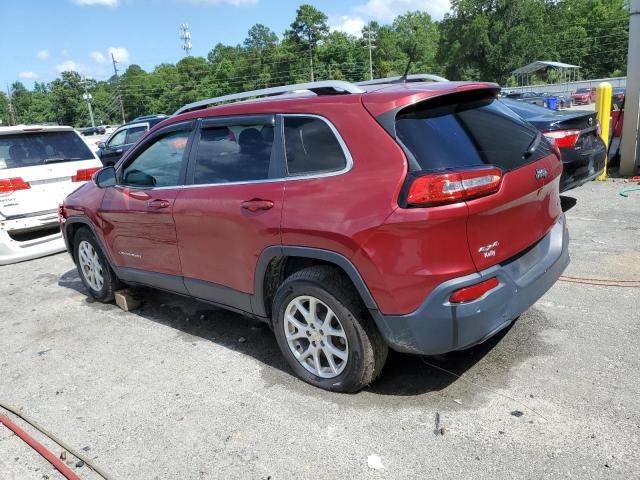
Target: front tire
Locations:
point(93, 268)
point(325, 332)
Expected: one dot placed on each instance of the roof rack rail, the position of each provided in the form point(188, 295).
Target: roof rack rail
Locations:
point(325, 87)
point(418, 77)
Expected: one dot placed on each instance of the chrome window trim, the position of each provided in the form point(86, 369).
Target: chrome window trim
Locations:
point(304, 176)
point(319, 174)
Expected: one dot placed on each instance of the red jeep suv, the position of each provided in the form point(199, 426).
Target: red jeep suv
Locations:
point(422, 217)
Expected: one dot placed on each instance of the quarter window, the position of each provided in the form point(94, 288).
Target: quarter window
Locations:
point(159, 164)
point(233, 153)
point(311, 146)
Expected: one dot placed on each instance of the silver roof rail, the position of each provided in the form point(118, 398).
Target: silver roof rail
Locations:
point(418, 77)
point(325, 87)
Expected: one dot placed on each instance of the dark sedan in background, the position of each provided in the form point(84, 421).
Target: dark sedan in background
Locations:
point(577, 136)
point(121, 140)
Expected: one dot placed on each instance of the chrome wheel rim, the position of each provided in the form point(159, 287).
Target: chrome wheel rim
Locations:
point(90, 265)
point(316, 337)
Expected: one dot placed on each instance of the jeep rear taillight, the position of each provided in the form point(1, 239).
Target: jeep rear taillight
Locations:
point(451, 187)
point(9, 185)
point(84, 175)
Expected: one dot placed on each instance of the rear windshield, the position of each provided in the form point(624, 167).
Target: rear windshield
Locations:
point(30, 149)
point(583, 90)
point(462, 131)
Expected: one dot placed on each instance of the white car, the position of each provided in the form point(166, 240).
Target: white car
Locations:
point(39, 167)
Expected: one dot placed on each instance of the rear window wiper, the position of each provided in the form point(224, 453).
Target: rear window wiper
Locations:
point(533, 146)
point(61, 159)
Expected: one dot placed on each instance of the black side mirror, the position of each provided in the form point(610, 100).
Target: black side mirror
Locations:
point(105, 177)
point(101, 145)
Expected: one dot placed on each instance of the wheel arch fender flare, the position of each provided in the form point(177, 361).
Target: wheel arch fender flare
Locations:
point(82, 221)
point(329, 256)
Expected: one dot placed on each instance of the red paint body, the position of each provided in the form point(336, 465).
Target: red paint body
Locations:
point(401, 253)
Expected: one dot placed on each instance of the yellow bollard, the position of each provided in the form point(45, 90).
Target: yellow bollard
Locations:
point(603, 112)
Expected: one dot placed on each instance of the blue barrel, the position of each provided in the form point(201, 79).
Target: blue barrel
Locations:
point(552, 103)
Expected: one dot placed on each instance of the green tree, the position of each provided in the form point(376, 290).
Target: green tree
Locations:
point(309, 28)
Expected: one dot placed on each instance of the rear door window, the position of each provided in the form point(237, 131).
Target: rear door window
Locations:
point(466, 131)
point(233, 153)
point(311, 146)
point(30, 149)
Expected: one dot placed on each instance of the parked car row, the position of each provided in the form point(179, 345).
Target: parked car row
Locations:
point(220, 203)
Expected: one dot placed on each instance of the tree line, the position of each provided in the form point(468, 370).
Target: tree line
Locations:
point(477, 40)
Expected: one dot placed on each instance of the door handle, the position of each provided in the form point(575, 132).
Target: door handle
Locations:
point(257, 204)
point(159, 204)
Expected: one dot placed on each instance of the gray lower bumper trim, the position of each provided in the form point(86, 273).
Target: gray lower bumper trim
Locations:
point(438, 326)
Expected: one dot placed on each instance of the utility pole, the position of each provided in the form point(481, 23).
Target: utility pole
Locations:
point(115, 70)
point(12, 114)
point(185, 35)
point(630, 152)
point(87, 96)
point(311, 59)
point(370, 54)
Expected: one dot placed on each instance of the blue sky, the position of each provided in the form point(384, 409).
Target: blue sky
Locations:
point(40, 38)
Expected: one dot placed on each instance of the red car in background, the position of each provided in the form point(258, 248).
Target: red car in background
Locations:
point(583, 96)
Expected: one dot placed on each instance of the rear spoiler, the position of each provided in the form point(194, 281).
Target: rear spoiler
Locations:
point(387, 116)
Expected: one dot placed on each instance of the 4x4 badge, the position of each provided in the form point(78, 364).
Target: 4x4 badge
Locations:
point(541, 173)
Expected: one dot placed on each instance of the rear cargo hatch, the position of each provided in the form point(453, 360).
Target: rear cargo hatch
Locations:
point(470, 134)
point(38, 169)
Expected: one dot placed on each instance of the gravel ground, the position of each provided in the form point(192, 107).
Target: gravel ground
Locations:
point(171, 392)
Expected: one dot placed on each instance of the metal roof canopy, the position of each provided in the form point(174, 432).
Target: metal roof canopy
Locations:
point(541, 65)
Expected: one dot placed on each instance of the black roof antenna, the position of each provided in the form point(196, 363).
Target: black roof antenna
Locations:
point(412, 58)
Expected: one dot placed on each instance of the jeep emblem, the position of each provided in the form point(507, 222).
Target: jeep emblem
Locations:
point(541, 173)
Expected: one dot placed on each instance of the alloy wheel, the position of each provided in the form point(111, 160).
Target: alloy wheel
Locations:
point(316, 337)
point(90, 265)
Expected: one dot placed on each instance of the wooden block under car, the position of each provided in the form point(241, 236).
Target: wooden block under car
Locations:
point(126, 300)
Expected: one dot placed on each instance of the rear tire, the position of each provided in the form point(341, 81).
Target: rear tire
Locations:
point(325, 332)
point(93, 267)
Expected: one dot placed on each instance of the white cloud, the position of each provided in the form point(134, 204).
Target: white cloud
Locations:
point(28, 75)
point(119, 53)
point(42, 54)
point(347, 24)
point(68, 65)
point(387, 10)
point(104, 3)
point(98, 57)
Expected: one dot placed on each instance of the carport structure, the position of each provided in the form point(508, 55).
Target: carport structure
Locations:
point(567, 72)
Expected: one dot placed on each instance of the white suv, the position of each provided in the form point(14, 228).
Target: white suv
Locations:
point(39, 166)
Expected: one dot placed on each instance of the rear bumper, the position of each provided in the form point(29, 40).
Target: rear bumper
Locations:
point(438, 326)
point(33, 246)
point(579, 168)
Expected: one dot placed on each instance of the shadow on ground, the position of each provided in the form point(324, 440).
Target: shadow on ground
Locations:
point(194, 321)
point(567, 203)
